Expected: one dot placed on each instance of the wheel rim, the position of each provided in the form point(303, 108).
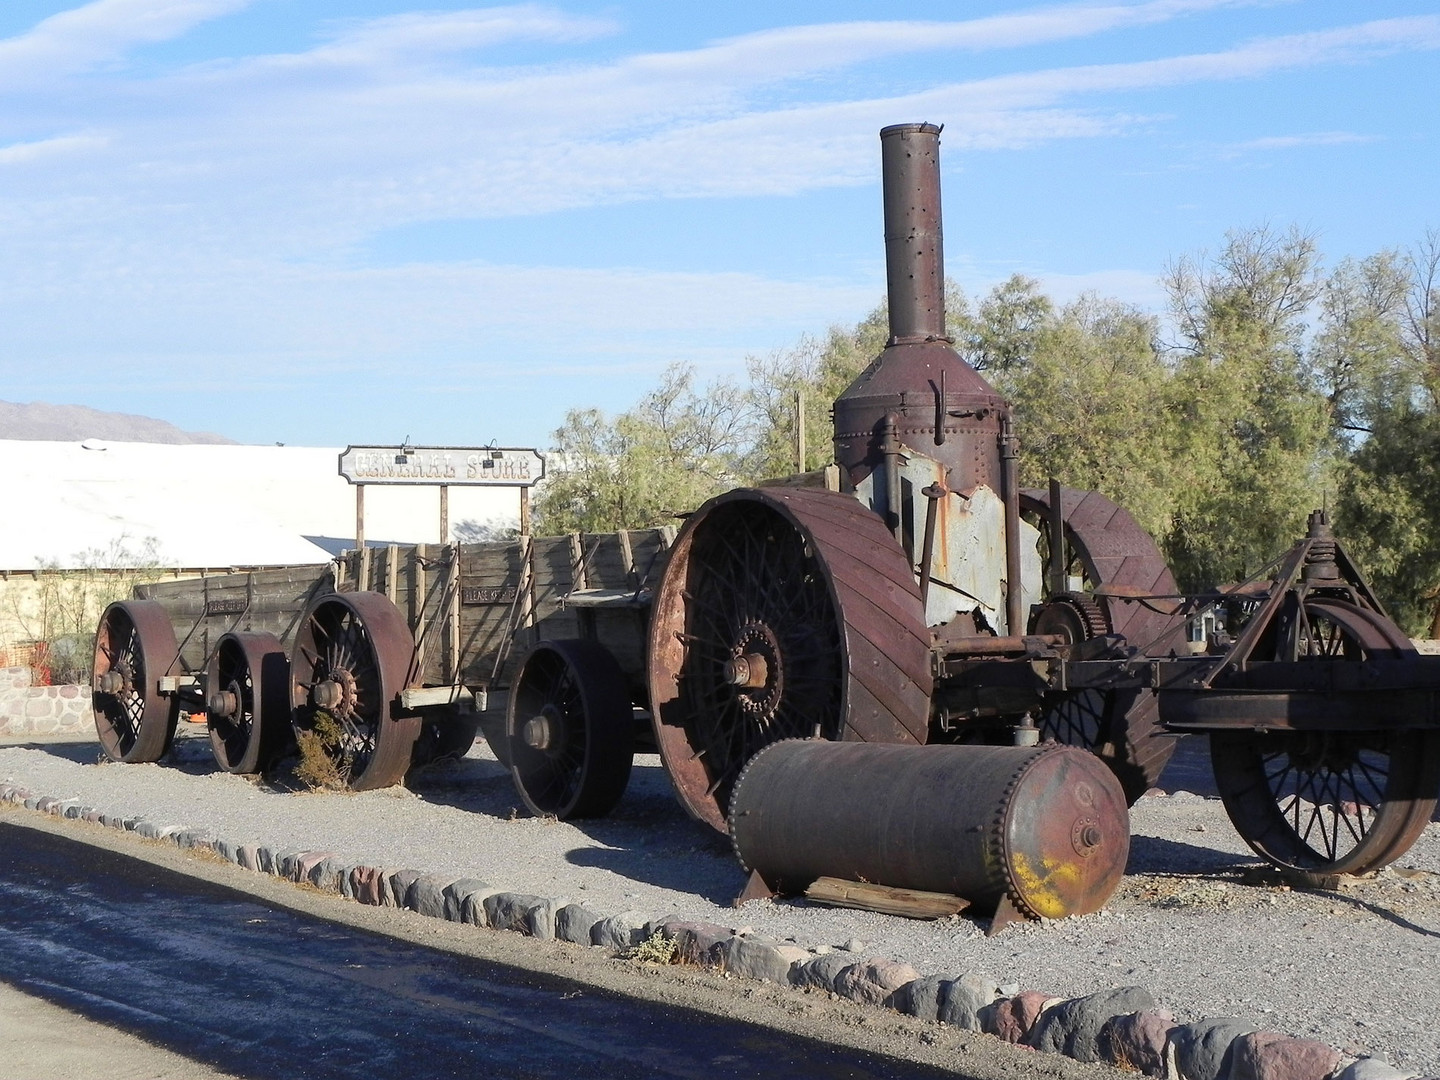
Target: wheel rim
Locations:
point(134, 647)
point(782, 615)
point(570, 730)
point(246, 707)
point(1106, 546)
point(1329, 802)
point(350, 660)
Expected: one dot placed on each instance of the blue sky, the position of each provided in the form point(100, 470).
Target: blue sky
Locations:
point(357, 220)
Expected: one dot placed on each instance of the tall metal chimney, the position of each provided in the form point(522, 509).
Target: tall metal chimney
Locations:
point(914, 252)
point(918, 392)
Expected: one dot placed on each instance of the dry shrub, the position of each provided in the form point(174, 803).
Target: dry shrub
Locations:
point(321, 766)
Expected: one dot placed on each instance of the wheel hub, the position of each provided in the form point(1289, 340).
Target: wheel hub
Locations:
point(335, 693)
point(224, 702)
point(545, 731)
point(114, 682)
point(755, 669)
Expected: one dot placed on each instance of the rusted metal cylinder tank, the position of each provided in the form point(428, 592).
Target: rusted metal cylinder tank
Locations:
point(1045, 826)
point(940, 404)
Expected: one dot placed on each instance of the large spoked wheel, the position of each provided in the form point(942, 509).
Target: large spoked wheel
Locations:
point(134, 648)
point(782, 614)
point(1321, 803)
point(570, 730)
point(247, 701)
point(351, 658)
point(1105, 546)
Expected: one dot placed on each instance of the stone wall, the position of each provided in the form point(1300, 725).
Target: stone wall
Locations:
point(41, 710)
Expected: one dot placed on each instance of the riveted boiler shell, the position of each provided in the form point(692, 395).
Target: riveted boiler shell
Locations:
point(1046, 825)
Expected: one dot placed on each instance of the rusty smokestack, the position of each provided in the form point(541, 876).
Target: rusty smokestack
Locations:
point(914, 250)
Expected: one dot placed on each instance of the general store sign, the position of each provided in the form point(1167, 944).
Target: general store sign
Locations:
point(475, 466)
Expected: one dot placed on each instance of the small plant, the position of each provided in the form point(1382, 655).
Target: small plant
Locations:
point(321, 766)
point(656, 949)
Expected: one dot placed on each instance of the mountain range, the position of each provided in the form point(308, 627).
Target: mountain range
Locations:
point(71, 423)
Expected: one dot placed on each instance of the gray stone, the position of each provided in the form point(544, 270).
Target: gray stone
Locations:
point(426, 895)
point(112, 821)
point(132, 823)
point(47, 804)
point(963, 999)
point(574, 922)
point(32, 802)
point(758, 958)
point(872, 982)
point(1136, 1041)
point(619, 931)
point(1203, 1049)
point(287, 864)
point(190, 838)
point(1269, 1055)
point(922, 997)
point(328, 873)
point(1073, 1027)
point(400, 882)
point(147, 829)
point(458, 892)
point(226, 850)
point(540, 918)
point(821, 971)
point(696, 942)
point(1370, 1068)
point(511, 911)
point(72, 810)
point(248, 856)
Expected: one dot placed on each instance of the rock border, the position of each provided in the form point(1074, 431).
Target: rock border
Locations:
point(1124, 1027)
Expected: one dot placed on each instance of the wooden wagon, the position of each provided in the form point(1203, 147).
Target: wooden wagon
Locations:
point(539, 641)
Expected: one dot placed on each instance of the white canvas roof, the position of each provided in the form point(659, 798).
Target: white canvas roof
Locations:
point(77, 504)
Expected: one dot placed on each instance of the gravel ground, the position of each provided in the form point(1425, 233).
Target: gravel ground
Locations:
point(1198, 920)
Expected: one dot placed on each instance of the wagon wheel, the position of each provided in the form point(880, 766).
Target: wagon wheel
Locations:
point(1107, 547)
point(1320, 803)
point(134, 648)
point(351, 658)
point(445, 733)
point(782, 613)
point(570, 730)
point(247, 702)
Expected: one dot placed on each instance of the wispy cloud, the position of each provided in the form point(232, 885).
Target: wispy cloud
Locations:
point(229, 198)
point(1294, 142)
point(28, 152)
point(99, 32)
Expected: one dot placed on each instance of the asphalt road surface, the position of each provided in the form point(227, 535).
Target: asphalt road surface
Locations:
point(260, 991)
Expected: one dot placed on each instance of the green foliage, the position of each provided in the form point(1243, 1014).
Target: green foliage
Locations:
point(1091, 408)
point(60, 615)
point(670, 453)
point(1389, 507)
point(1253, 432)
point(1284, 388)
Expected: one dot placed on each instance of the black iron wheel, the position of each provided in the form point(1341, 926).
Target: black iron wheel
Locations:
point(1105, 546)
point(570, 730)
point(247, 701)
point(1321, 803)
point(782, 614)
point(352, 656)
point(134, 648)
point(446, 734)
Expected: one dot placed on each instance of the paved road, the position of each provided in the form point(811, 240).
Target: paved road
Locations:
point(260, 991)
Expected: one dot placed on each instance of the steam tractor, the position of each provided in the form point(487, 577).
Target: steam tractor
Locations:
point(796, 652)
